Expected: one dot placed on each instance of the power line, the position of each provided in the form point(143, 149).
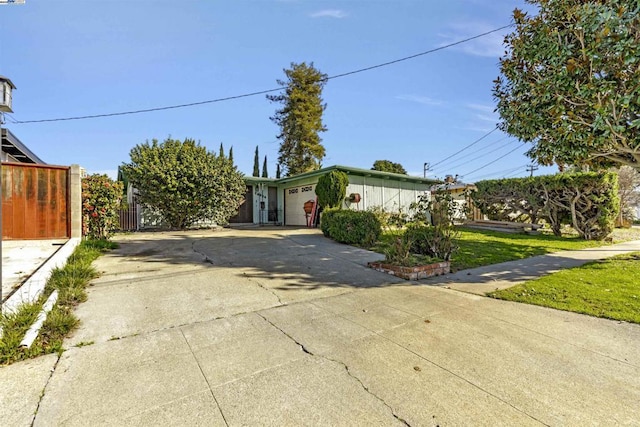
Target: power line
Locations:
point(486, 153)
point(468, 146)
point(493, 161)
point(263, 92)
point(513, 174)
point(406, 58)
point(502, 172)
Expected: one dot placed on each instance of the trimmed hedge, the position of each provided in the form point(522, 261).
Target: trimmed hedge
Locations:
point(351, 227)
point(588, 201)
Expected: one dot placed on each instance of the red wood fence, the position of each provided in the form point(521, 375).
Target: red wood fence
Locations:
point(35, 201)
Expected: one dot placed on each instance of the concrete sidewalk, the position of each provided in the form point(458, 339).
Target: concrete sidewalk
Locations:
point(284, 327)
point(494, 277)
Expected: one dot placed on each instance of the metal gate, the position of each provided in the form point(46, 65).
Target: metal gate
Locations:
point(35, 202)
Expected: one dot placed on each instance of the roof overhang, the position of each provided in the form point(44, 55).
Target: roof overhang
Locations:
point(15, 148)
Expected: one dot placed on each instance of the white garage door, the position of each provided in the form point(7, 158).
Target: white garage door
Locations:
point(294, 200)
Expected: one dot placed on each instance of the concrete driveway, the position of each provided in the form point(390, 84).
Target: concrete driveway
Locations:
point(284, 327)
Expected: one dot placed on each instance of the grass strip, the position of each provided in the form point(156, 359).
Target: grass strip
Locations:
point(607, 288)
point(71, 282)
point(482, 247)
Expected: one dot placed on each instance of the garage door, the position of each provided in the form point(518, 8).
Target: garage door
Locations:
point(294, 199)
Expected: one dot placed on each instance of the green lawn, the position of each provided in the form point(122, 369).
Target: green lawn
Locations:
point(478, 248)
point(608, 288)
point(70, 281)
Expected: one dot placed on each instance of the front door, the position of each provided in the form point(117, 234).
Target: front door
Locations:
point(273, 204)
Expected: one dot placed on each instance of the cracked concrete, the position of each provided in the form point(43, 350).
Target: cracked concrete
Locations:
point(284, 327)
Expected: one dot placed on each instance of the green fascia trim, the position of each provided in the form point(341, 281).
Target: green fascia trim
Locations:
point(259, 180)
point(352, 171)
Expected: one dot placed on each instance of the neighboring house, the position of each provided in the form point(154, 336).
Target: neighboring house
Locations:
point(460, 192)
point(15, 151)
point(281, 201)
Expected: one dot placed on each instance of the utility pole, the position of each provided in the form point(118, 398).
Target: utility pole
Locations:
point(531, 168)
point(427, 166)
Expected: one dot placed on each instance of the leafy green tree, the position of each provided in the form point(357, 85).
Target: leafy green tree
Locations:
point(300, 118)
point(570, 80)
point(265, 174)
point(331, 189)
point(256, 163)
point(388, 166)
point(184, 182)
point(101, 198)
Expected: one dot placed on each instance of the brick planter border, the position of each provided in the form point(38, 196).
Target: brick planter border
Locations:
point(412, 273)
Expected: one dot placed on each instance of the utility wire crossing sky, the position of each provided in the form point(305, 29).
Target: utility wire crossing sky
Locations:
point(74, 61)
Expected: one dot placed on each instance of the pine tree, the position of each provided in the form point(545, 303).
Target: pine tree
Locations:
point(300, 118)
point(278, 171)
point(256, 163)
point(231, 154)
point(265, 174)
point(221, 150)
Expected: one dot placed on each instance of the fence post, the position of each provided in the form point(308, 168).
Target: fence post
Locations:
point(75, 200)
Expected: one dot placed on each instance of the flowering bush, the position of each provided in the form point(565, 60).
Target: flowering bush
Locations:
point(101, 198)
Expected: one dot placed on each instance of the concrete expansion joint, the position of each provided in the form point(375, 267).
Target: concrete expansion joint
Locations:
point(224, 418)
point(338, 362)
point(44, 390)
point(463, 378)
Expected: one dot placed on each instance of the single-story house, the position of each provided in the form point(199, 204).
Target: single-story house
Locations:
point(281, 201)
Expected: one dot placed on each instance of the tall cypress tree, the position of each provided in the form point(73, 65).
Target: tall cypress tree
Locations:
point(221, 150)
point(265, 174)
point(278, 171)
point(300, 118)
point(256, 163)
point(231, 154)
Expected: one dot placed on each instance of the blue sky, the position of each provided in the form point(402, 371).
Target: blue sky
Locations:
point(74, 58)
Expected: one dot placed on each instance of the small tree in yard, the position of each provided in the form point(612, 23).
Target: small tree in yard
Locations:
point(331, 189)
point(101, 198)
point(185, 183)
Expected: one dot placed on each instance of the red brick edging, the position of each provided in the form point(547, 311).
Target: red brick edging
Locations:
point(413, 273)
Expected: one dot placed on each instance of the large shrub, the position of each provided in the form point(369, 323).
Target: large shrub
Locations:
point(185, 183)
point(351, 227)
point(440, 239)
point(331, 189)
point(587, 201)
point(101, 198)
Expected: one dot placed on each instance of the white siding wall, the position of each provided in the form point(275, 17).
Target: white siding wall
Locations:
point(390, 194)
point(386, 193)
